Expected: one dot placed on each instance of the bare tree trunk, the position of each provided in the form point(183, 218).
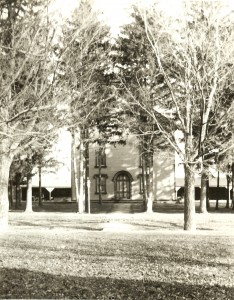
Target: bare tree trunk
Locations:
point(189, 198)
point(217, 195)
point(144, 180)
point(233, 185)
point(228, 191)
point(207, 193)
point(4, 203)
point(203, 208)
point(99, 174)
point(75, 185)
point(20, 195)
point(150, 186)
point(10, 193)
point(17, 189)
point(40, 192)
point(87, 175)
point(28, 208)
point(81, 186)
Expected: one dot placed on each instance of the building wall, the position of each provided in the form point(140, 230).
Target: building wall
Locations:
point(126, 158)
point(118, 158)
point(164, 173)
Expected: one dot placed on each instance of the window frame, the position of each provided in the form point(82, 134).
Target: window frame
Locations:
point(103, 185)
point(103, 159)
point(128, 182)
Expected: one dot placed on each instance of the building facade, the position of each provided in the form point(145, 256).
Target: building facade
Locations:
point(121, 173)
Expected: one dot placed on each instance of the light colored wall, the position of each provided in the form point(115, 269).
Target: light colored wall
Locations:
point(118, 158)
point(126, 158)
point(164, 181)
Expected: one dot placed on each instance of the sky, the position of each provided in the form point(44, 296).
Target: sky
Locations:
point(114, 12)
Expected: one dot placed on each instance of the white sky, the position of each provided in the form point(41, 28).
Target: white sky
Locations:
point(115, 12)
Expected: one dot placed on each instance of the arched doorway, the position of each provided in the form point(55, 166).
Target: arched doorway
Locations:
point(122, 185)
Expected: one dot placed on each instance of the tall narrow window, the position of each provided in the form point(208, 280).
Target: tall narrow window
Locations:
point(100, 158)
point(100, 183)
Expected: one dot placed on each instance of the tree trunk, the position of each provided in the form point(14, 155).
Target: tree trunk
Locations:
point(228, 191)
point(28, 208)
point(4, 203)
point(75, 179)
point(10, 193)
point(18, 190)
point(203, 192)
point(207, 193)
point(81, 186)
point(87, 192)
point(144, 181)
point(233, 185)
point(40, 192)
point(99, 174)
point(217, 195)
point(74, 185)
point(150, 186)
point(189, 199)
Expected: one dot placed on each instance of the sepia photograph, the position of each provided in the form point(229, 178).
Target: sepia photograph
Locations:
point(117, 149)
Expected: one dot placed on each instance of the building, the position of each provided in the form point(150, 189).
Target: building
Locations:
point(121, 173)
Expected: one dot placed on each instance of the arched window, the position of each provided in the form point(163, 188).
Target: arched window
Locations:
point(122, 185)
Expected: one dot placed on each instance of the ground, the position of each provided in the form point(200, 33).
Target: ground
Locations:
point(57, 255)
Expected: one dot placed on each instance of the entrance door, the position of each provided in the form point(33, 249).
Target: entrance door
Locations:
point(123, 184)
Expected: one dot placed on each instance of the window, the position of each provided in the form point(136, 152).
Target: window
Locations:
point(102, 180)
point(122, 185)
point(100, 157)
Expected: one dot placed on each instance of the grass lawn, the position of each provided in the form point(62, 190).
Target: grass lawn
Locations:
point(54, 255)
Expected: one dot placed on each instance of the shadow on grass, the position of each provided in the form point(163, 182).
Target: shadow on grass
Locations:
point(57, 225)
point(22, 283)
